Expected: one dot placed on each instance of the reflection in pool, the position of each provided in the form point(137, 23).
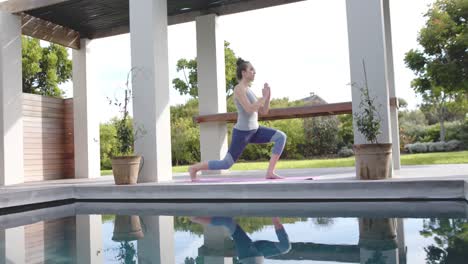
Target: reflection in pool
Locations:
point(146, 238)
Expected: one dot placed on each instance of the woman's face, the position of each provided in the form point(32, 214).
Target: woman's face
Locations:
point(249, 73)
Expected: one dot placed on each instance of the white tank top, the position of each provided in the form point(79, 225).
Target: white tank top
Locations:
point(245, 120)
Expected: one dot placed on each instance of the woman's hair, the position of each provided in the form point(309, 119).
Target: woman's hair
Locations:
point(241, 66)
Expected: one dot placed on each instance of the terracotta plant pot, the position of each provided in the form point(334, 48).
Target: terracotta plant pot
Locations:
point(373, 161)
point(378, 233)
point(126, 169)
point(127, 228)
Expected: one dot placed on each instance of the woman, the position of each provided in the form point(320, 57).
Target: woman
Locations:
point(249, 251)
point(247, 130)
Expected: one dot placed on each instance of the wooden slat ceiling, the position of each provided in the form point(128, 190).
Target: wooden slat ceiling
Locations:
point(94, 19)
point(66, 21)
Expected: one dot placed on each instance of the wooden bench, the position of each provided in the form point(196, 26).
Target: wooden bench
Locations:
point(290, 112)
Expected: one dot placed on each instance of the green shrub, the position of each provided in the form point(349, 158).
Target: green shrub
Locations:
point(453, 145)
point(345, 152)
point(436, 147)
point(424, 147)
point(417, 147)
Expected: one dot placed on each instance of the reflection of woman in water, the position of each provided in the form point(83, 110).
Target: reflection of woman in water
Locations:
point(248, 251)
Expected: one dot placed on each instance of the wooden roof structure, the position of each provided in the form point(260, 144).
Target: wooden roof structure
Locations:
point(66, 21)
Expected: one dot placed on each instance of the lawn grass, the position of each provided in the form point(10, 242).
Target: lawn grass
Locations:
point(457, 157)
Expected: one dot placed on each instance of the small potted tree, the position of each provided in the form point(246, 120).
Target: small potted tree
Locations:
point(372, 159)
point(127, 228)
point(127, 165)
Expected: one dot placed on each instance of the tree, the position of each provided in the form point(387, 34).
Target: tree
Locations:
point(322, 133)
point(450, 240)
point(185, 138)
point(189, 85)
point(108, 143)
point(44, 68)
point(455, 109)
point(345, 131)
point(442, 66)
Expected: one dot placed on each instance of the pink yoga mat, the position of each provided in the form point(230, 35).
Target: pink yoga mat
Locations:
point(245, 179)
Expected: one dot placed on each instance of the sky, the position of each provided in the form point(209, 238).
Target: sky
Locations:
point(298, 48)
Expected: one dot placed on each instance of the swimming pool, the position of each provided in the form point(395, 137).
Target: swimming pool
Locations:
point(325, 232)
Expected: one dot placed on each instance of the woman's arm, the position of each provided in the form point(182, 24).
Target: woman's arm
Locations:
point(266, 106)
point(266, 94)
point(241, 96)
point(269, 248)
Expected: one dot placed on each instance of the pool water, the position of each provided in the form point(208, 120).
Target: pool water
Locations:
point(145, 238)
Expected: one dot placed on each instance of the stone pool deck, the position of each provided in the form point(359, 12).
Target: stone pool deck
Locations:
point(411, 183)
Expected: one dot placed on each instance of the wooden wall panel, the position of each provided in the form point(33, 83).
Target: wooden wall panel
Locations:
point(48, 138)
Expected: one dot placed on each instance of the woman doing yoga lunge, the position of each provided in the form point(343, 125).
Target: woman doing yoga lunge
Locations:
point(247, 129)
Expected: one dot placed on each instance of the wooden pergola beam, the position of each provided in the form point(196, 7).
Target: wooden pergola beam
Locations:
point(48, 31)
point(228, 9)
point(16, 6)
point(289, 112)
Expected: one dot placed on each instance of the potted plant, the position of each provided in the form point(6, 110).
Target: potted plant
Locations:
point(127, 228)
point(372, 159)
point(127, 165)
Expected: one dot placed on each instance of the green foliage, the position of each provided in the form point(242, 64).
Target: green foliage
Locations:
point(411, 118)
point(185, 140)
point(368, 121)
point(345, 131)
point(322, 134)
point(444, 39)
point(440, 146)
point(463, 133)
point(425, 133)
point(44, 68)
point(189, 83)
point(441, 66)
point(345, 152)
point(127, 253)
point(249, 224)
point(454, 109)
point(412, 125)
point(108, 218)
point(450, 240)
point(108, 143)
point(402, 103)
point(126, 134)
point(185, 133)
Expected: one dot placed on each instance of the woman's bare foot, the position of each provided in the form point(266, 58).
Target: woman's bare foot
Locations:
point(193, 173)
point(273, 176)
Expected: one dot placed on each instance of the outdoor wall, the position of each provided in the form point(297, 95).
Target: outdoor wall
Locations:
point(48, 138)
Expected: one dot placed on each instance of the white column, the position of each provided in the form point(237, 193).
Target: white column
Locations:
point(148, 33)
point(13, 245)
point(85, 119)
point(366, 35)
point(157, 246)
point(11, 101)
point(211, 87)
point(394, 127)
point(401, 241)
point(89, 239)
